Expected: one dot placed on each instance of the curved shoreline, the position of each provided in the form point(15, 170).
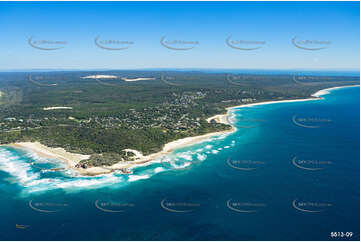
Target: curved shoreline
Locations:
point(223, 118)
point(71, 159)
point(327, 90)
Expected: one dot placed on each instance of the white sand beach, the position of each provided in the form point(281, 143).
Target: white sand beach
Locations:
point(222, 118)
point(71, 159)
point(327, 90)
point(169, 147)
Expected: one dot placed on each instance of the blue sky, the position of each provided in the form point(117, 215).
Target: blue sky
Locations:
point(209, 24)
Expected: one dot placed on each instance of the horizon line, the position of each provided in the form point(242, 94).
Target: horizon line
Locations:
point(176, 68)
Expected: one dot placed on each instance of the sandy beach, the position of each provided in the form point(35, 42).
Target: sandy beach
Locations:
point(169, 147)
point(72, 159)
point(223, 118)
point(327, 90)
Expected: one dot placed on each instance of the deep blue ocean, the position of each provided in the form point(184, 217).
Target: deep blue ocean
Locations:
point(291, 171)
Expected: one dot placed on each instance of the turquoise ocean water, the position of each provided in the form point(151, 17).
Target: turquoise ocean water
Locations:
point(291, 171)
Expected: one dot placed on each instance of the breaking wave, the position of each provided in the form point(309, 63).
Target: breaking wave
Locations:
point(34, 173)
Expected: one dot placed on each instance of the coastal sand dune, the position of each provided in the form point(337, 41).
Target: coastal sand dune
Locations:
point(220, 118)
point(55, 108)
point(100, 76)
point(137, 79)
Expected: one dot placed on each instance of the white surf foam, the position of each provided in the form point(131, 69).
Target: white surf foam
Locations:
point(201, 157)
point(137, 177)
point(186, 155)
point(69, 180)
point(159, 169)
point(16, 167)
point(215, 151)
